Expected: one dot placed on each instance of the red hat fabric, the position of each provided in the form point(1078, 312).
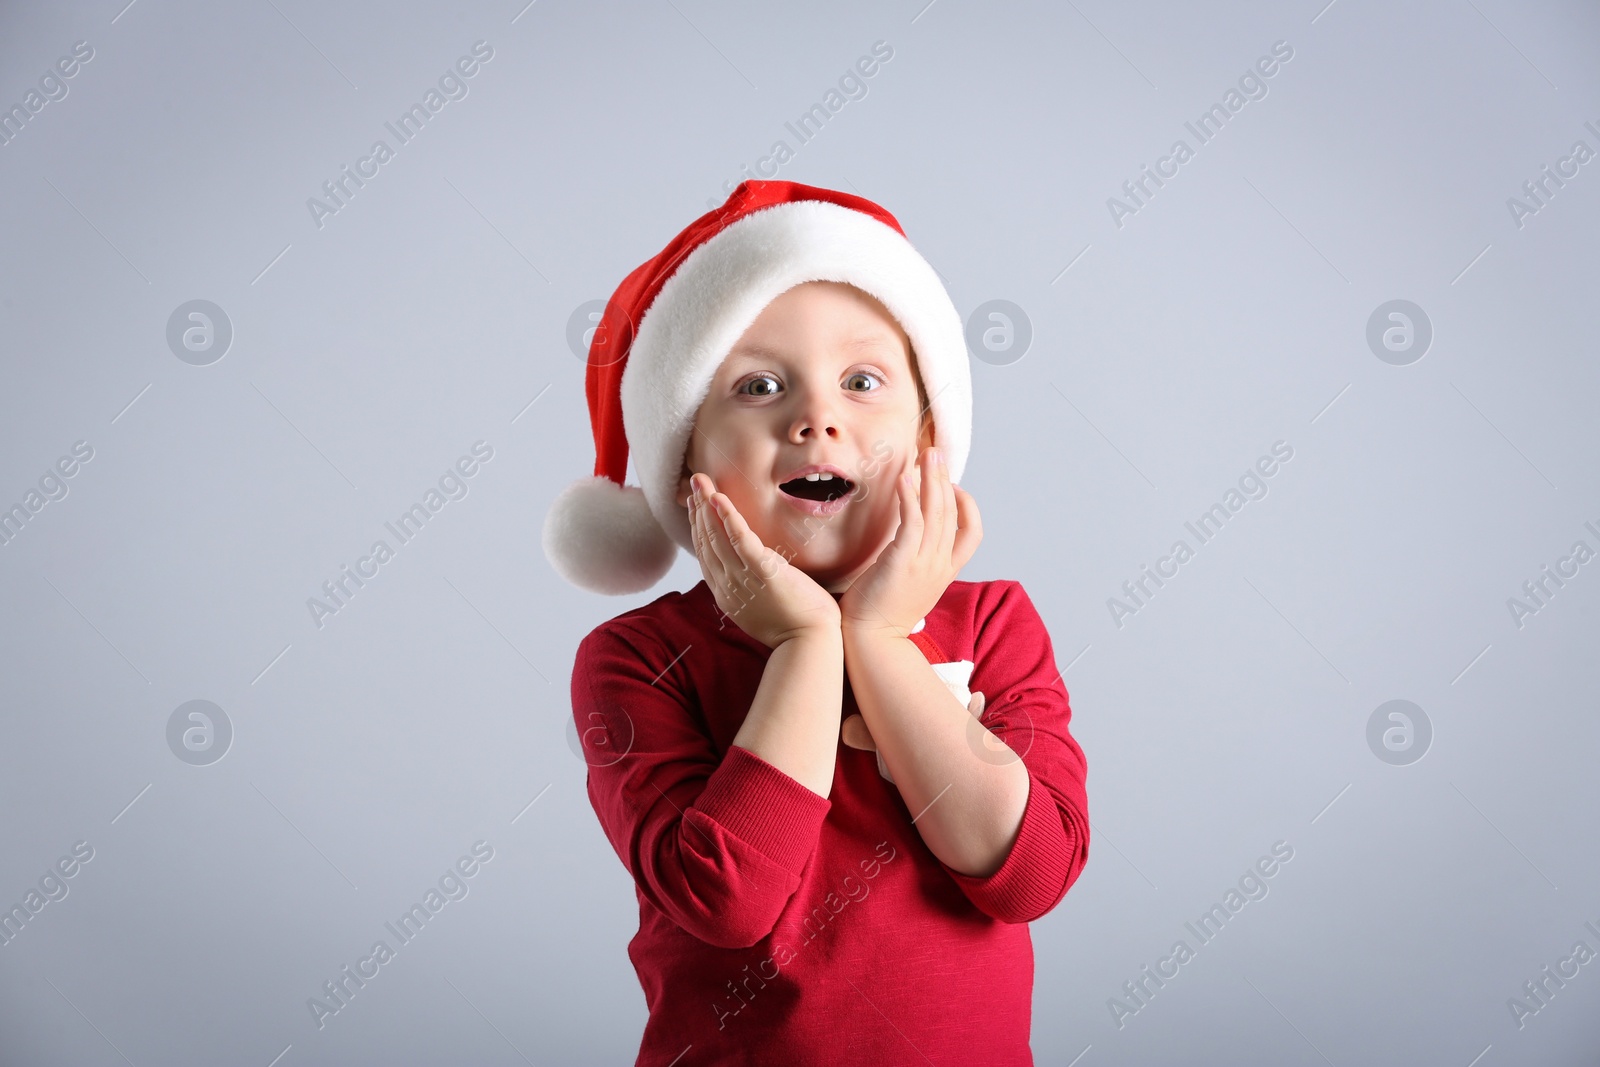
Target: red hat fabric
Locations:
point(674, 318)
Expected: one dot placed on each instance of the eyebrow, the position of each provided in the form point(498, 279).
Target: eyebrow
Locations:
point(758, 351)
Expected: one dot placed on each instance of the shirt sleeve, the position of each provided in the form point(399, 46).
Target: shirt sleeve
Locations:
point(717, 844)
point(1026, 705)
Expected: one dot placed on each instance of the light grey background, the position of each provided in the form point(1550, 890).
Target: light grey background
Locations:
point(431, 312)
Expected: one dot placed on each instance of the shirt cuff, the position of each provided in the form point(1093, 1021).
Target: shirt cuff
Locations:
point(1033, 877)
point(764, 807)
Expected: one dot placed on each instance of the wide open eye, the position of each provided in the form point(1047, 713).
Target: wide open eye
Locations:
point(771, 391)
point(863, 375)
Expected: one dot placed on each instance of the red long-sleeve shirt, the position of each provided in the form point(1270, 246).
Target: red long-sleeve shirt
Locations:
point(777, 926)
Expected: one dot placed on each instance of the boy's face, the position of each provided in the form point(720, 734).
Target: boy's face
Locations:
point(822, 377)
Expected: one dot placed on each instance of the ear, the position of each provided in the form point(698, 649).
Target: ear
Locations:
point(925, 433)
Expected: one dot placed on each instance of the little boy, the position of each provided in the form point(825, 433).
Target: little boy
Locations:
point(792, 380)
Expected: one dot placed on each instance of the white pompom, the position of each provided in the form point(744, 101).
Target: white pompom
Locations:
point(602, 537)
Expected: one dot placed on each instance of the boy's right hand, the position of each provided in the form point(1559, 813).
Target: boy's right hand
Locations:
point(755, 586)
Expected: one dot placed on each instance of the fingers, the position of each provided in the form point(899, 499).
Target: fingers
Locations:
point(854, 733)
point(725, 574)
point(752, 554)
point(909, 536)
point(700, 535)
point(706, 527)
point(733, 557)
point(932, 501)
point(947, 535)
point(971, 531)
point(947, 510)
point(719, 537)
point(933, 505)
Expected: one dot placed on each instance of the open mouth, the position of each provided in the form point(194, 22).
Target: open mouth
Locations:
point(824, 488)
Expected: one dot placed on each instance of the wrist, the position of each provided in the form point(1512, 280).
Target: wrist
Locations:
point(872, 633)
point(825, 637)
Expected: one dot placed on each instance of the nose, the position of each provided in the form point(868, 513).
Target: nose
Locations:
point(815, 417)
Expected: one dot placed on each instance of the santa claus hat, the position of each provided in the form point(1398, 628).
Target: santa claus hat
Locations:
point(667, 328)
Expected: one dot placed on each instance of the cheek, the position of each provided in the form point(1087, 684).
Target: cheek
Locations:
point(882, 504)
point(722, 472)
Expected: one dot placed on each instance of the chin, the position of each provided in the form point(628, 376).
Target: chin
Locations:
point(832, 572)
point(834, 581)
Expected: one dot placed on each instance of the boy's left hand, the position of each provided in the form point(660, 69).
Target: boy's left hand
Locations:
point(939, 531)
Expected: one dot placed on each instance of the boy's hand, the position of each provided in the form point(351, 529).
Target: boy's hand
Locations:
point(755, 586)
point(939, 531)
